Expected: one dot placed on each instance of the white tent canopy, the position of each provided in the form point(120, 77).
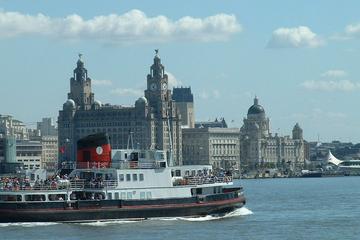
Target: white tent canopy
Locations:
point(332, 159)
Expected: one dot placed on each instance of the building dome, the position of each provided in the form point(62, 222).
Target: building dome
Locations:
point(297, 127)
point(256, 108)
point(69, 104)
point(97, 103)
point(142, 100)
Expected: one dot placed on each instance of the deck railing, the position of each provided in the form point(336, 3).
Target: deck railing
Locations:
point(119, 165)
point(200, 180)
point(61, 185)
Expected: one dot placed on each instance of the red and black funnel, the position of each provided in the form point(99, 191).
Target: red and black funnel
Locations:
point(94, 151)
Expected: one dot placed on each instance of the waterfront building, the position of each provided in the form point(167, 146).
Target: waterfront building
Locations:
point(260, 149)
point(46, 133)
point(149, 122)
point(10, 126)
point(221, 123)
point(26, 149)
point(29, 153)
point(219, 147)
point(50, 152)
point(184, 101)
point(342, 150)
point(47, 127)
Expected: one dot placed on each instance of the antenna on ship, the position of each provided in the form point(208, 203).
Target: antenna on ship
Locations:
point(130, 140)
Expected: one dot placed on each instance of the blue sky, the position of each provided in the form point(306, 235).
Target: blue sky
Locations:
point(301, 58)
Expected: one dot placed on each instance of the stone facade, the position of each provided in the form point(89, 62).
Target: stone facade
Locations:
point(50, 152)
point(184, 101)
point(29, 153)
point(260, 149)
point(149, 121)
point(13, 127)
point(219, 147)
point(217, 123)
point(47, 127)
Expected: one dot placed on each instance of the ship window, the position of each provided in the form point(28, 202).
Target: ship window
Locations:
point(10, 198)
point(141, 177)
point(35, 197)
point(121, 177)
point(123, 195)
point(134, 177)
point(128, 177)
point(193, 173)
point(129, 195)
point(148, 195)
point(177, 173)
point(57, 197)
point(109, 196)
point(117, 195)
point(187, 173)
point(142, 195)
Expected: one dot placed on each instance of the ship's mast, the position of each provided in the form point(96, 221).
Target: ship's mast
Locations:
point(130, 140)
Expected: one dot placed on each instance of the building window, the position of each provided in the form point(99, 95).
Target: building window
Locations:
point(148, 195)
point(117, 195)
point(129, 195)
point(123, 195)
point(121, 177)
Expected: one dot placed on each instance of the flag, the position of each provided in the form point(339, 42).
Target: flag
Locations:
point(62, 149)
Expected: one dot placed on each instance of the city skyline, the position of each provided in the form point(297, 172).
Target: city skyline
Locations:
point(300, 63)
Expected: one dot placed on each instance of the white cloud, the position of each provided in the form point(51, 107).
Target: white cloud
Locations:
point(127, 92)
point(101, 82)
point(172, 80)
point(131, 26)
point(335, 73)
point(210, 94)
point(331, 85)
point(353, 30)
point(297, 37)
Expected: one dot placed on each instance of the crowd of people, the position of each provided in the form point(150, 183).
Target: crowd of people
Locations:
point(24, 183)
point(204, 177)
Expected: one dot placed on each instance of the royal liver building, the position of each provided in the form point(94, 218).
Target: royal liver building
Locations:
point(149, 121)
point(260, 149)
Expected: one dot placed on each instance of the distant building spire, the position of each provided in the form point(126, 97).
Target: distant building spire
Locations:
point(256, 100)
point(157, 70)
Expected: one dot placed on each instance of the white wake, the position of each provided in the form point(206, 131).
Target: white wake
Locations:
point(236, 213)
point(107, 222)
point(28, 224)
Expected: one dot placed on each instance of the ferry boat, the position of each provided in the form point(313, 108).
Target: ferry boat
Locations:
point(115, 184)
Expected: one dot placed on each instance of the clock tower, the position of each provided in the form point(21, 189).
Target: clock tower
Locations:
point(80, 87)
point(166, 120)
point(157, 92)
